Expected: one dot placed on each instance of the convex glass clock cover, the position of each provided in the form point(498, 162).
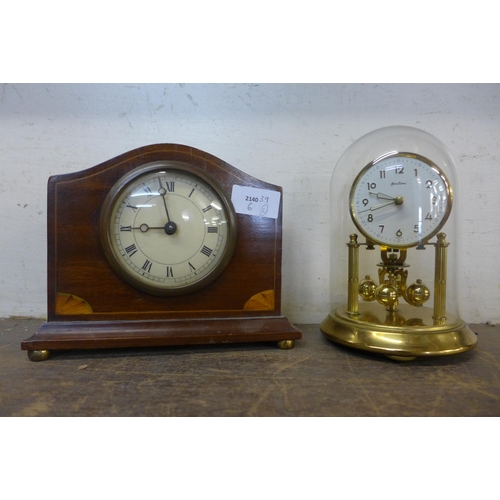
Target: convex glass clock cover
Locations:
point(395, 247)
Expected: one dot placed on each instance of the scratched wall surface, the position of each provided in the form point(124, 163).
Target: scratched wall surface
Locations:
point(287, 134)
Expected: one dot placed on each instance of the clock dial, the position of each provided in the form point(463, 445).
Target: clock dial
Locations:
point(400, 200)
point(168, 230)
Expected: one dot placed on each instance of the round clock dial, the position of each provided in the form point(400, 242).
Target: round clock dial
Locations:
point(400, 200)
point(168, 229)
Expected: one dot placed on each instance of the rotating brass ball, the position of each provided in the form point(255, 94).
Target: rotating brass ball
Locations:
point(417, 294)
point(387, 295)
point(367, 289)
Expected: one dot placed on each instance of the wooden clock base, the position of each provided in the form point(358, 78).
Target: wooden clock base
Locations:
point(61, 335)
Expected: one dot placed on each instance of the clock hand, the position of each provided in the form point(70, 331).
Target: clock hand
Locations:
point(144, 228)
point(163, 193)
point(376, 207)
point(170, 227)
point(382, 196)
point(398, 200)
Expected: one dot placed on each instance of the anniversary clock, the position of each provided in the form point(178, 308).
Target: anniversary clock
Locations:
point(395, 247)
point(163, 245)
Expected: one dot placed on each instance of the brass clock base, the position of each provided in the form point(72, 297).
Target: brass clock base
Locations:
point(402, 336)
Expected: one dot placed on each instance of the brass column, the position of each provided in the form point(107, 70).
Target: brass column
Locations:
point(439, 315)
point(352, 291)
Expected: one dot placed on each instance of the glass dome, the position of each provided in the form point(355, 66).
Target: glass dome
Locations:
point(395, 247)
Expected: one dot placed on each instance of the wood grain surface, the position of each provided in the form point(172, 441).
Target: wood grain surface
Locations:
point(78, 266)
point(114, 313)
point(317, 378)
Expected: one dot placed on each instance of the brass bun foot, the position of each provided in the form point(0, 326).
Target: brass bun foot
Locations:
point(40, 355)
point(286, 344)
point(398, 336)
point(401, 358)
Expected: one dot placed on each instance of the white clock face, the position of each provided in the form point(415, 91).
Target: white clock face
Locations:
point(400, 200)
point(168, 230)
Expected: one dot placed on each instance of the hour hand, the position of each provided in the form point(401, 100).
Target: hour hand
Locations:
point(382, 196)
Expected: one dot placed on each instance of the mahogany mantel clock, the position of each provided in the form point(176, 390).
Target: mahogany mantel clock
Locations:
point(151, 248)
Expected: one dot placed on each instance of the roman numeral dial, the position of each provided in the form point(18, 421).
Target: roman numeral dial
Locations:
point(168, 228)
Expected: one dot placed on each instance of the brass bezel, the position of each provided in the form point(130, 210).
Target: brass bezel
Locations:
point(105, 225)
point(393, 154)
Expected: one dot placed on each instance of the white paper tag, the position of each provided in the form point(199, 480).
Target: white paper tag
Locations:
point(254, 201)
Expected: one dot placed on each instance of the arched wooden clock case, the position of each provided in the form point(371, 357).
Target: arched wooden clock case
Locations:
point(90, 306)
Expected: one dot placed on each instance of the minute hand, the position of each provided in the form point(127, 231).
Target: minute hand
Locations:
point(376, 207)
